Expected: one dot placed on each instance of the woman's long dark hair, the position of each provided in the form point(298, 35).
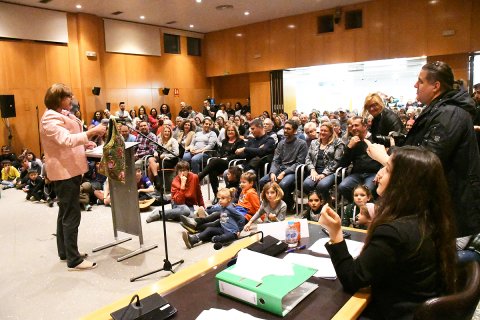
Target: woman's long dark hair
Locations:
point(417, 186)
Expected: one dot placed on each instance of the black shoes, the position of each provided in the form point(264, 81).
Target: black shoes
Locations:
point(189, 222)
point(190, 240)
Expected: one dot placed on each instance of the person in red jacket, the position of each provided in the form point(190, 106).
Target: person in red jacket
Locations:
point(186, 193)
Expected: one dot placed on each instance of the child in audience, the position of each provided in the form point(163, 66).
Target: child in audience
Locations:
point(361, 196)
point(315, 204)
point(233, 181)
point(34, 186)
point(144, 185)
point(226, 229)
point(248, 204)
point(366, 215)
point(273, 208)
point(10, 174)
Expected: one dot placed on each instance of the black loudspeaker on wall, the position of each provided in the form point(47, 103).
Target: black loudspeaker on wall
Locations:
point(165, 91)
point(96, 91)
point(7, 106)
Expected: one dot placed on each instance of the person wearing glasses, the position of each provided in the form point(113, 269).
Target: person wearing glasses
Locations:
point(384, 120)
point(64, 143)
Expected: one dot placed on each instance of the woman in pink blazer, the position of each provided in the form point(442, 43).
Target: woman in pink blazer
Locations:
point(64, 143)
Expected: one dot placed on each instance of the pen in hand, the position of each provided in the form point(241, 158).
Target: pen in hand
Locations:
point(296, 248)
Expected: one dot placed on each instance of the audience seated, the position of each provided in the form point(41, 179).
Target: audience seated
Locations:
point(203, 142)
point(290, 153)
point(322, 161)
point(364, 168)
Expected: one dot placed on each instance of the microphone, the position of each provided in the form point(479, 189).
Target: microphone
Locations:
point(219, 245)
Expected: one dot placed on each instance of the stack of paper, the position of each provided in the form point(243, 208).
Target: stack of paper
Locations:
point(354, 247)
point(323, 265)
point(220, 314)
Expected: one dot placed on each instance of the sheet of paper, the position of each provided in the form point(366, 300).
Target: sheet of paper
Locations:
point(254, 266)
point(220, 314)
point(354, 247)
point(277, 229)
point(324, 266)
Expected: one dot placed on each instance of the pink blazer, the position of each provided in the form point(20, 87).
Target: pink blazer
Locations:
point(63, 142)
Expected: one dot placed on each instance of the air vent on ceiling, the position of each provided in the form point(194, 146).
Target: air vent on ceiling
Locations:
point(44, 1)
point(116, 13)
point(171, 22)
point(224, 7)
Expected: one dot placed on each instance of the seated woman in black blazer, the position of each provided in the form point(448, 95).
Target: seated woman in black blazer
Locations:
point(217, 166)
point(409, 252)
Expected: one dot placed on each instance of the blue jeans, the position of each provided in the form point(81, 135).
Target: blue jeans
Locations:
point(349, 183)
point(287, 184)
point(172, 214)
point(323, 186)
point(195, 161)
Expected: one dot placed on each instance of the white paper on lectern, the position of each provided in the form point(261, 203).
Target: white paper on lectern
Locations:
point(323, 265)
point(354, 247)
point(220, 314)
point(255, 266)
point(277, 229)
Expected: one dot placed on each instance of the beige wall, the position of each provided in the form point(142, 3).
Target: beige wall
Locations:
point(28, 68)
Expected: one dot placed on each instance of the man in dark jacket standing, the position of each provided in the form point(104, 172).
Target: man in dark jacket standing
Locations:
point(445, 127)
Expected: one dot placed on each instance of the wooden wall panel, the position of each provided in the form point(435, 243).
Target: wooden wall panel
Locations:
point(259, 92)
point(370, 41)
point(235, 51)
point(449, 15)
point(232, 88)
point(57, 65)
point(215, 58)
point(406, 29)
point(282, 42)
point(308, 46)
point(73, 53)
point(114, 70)
point(138, 71)
point(258, 54)
point(475, 27)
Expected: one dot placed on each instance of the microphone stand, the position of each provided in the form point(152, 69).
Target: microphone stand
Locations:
point(167, 265)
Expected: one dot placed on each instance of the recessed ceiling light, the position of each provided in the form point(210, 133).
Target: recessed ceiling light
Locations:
point(239, 35)
point(246, 13)
point(191, 26)
point(291, 26)
point(224, 7)
point(199, 1)
point(142, 17)
point(78, 6)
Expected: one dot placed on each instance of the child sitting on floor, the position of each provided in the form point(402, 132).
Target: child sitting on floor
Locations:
point(10, 174)
point(248, 204)
point(225, 229)
point(34, 186)
point(273, 208)
point(315, 204)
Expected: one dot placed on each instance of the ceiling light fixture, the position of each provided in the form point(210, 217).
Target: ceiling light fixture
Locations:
point(224, 7)
point(246, 13)
point(78, 6)
point(191, 26)
point(239, 35)
point(142, 17)
point(199, 1)
point(291, 26)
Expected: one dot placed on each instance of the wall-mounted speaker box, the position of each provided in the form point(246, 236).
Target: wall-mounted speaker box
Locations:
point(7, 106)
point(96, 91)
point(165, 91)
